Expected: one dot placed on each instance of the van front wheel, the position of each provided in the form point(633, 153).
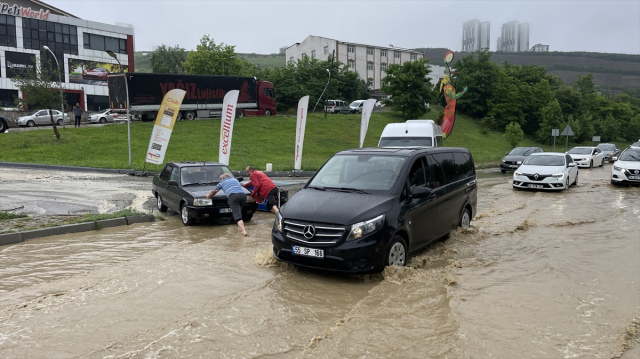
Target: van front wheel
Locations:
point(397, 254)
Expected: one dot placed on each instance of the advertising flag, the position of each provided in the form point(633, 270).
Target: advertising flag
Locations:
point(226, 125)
point(367, 108)
point(301, 123)
point(164, 126)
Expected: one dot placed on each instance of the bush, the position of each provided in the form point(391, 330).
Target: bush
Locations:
point(513, 134)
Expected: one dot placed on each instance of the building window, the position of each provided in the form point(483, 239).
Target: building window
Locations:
point(414, 57)
point(369, 65)
point(351, 48)
point(369, 51)
point(104, 43)
point(383, 67)
point(369, 82)
point(326, 50)
point(313, 54)
point(383, 53)
point(303, 55)
point(7, 97)
point(397, 54)
point(291, 59)
point(60, 38)
point(8, 31)
point(351, 64)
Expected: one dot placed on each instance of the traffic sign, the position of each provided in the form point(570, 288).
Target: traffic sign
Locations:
point(555, 132)
point(567, 131)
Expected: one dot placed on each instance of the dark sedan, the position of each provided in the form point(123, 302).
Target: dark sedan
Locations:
point(610, 151)
point(182, 186)
point(518, 154)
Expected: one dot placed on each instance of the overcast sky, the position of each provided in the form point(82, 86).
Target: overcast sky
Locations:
point(262, 26)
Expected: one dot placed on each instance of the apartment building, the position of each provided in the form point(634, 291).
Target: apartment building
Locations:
point(475, 35)
point(514, 37)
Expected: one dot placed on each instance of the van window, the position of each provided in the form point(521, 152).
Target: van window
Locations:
point(448, 166)
point(418, 174)
point(406, 142)
point(465, 166)
point(435, 168)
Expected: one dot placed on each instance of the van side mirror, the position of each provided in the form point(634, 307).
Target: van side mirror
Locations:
point(420, 192)
point(172, 183)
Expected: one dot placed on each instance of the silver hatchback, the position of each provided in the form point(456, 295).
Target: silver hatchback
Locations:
point(41, 117)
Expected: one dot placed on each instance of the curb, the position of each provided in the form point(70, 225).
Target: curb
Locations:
point(14, 238)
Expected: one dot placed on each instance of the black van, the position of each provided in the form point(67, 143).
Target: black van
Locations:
point(368, 208)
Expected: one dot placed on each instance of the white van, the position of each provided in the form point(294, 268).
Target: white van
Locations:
point(413, 133)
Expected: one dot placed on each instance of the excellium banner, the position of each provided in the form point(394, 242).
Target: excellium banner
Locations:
point(164, 126)
point(367, 108)
point(301, 124)
point(226, 125)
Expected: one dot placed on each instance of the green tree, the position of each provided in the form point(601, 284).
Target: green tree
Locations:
point(40, 88)
point(505, 102)
point(551, 116)
point(570, 100)
point(632, 132)
point(584, 84)
point(513, 134)
point(168, 60)
point(210, 58)
point(409, 87)
point(478, 73)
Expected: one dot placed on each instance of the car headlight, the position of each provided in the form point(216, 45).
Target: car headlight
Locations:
point(278, 222)
point(558, 175)
point(517, 173)
point(361, 229)
point(202, 202)
point(619, 169)
point(503, 161)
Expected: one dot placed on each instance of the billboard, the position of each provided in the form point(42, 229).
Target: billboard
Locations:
point(92, 72)
point(18, 61)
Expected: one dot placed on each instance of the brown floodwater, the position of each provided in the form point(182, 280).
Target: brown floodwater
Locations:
point(538, 275)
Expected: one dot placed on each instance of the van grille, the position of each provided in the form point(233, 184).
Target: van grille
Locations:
point(316, 233)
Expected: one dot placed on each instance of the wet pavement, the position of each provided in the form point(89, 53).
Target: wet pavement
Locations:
point(539, 275)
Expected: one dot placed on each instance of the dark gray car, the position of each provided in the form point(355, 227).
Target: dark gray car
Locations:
point(610, 150)
point(518, 154)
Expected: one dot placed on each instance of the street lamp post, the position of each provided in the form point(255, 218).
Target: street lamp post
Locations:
point(223, 64)
point(320, 98)
point(59, 84)
point(126, 89)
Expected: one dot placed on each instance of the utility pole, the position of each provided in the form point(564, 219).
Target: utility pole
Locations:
point(333, 55)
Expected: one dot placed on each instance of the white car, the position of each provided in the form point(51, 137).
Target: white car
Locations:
point(635, 145)
point(103, 116)
point(587, 156)
point(41, 117)
point(547, 171)
point(626, 169)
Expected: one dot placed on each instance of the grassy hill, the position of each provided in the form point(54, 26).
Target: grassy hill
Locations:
point(143, 60)
point(613, 72)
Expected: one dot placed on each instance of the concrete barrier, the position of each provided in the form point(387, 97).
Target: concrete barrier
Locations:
point(140, 219)
point(10, 238)
point(114, 222)
point(37, 233)
point(78, 227)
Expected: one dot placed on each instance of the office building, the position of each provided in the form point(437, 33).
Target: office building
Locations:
point(475, 35)
point(514, 37)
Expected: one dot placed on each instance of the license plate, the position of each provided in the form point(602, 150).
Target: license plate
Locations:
point(535, 186)
point(634, 177)
point(225, 210)
point(309, 252)
point(513, 166)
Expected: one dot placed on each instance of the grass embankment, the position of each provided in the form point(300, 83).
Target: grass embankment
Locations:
point(256, 141)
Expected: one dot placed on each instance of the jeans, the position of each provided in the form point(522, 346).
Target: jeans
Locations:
point(78, 121)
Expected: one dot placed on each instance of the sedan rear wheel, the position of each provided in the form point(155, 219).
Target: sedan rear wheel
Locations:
point(59, 123)
point(184, 215)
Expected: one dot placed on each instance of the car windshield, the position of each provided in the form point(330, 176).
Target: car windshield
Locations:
point(521, 151)
point(358, 173)
point(202, 174)
point(545, 160)
point(580, 151)
point(637, 144)
point(405, 141)
point(630, 156)
point(355, 104)
point(607, 147)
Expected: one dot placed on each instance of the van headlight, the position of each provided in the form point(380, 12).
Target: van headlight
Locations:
point(361, 229)
point(558, 175)
point(278, 222)
point(202, 202)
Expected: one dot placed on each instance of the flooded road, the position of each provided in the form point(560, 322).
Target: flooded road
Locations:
point(539, 275)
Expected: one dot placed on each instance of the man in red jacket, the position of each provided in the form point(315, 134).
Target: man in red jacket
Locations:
point(263, 187)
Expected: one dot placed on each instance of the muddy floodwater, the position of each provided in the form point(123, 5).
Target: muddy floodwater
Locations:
point(538, 275)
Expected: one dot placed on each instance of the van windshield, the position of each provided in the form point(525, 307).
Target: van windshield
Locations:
point(406, 142)
point(362, 172)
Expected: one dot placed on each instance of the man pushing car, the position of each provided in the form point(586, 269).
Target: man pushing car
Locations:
point(263, 188)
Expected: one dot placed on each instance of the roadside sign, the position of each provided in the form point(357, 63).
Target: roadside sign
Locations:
point(555, 132)
point(596, 139)
point(567, 131)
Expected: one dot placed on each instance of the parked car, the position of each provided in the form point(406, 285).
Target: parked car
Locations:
point(626, 168)
point(610, 150)
point(182, 186)
point(4, 125)
point(368, 208)
point(336, 106)
point(104, 116)
point(635, 145)
point(412, 133)
point(546, 170)
point(98, 73)
point(41, 117)
point(356, 106)
point(587, 156)
point(514, 158)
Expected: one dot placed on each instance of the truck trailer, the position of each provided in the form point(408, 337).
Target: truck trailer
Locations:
point(203, 98)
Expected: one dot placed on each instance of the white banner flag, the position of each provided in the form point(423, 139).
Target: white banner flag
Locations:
point(226, 125)
point(367, 108)
point(163, 128)
point(301, 123)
